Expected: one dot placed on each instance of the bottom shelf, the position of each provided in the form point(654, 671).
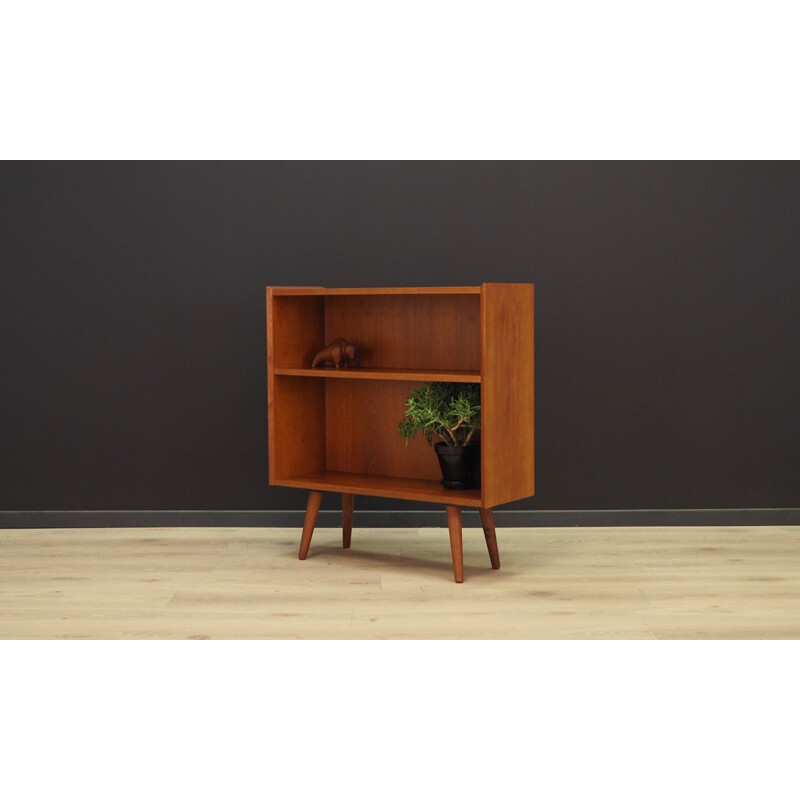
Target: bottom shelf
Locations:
point(383, 486)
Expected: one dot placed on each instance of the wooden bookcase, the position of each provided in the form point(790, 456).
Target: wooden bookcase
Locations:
point(336, 430)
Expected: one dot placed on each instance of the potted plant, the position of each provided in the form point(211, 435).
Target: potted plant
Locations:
point(450, 412)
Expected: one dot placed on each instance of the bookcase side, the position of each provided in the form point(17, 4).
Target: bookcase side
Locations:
point(507, 392)
point(295, 405)
point(270, 391)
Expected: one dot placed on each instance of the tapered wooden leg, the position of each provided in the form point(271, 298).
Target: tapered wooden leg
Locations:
point(314, 499)
point(347, 519)
point(487, 519)
point(456, 547)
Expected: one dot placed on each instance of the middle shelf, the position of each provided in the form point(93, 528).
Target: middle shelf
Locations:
point(384, 374)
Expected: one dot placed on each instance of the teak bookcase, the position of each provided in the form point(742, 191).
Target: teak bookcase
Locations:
point(335, 430)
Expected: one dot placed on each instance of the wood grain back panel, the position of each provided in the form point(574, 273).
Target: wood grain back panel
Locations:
point(298, 330)
point(298, 429)
point(507, 392)
point(362, 433)
point(439, 331)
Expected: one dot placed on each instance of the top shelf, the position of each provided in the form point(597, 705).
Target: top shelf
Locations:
point(374, 290)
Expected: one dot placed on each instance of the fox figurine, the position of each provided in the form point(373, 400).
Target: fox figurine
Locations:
point(339, 352)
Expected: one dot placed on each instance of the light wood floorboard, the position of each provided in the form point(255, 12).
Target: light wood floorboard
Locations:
point(247, 583)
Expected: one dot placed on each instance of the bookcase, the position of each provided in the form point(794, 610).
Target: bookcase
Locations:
point(335, 430)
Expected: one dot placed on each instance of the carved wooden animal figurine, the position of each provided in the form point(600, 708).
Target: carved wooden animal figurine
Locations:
point(339, 352)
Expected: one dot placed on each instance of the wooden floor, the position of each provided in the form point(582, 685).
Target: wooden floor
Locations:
point(247, 583)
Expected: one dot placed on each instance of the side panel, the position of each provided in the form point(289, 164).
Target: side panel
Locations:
point(295, 406)
point(506, 392)
point(270, 389)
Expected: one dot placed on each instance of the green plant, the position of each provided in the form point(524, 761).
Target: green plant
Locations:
point(450, 411)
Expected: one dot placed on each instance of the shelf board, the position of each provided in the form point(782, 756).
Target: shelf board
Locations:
point(383, 486)
point(385, 374)
point(322, 291)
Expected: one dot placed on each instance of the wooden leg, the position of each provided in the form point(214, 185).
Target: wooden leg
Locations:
point(487, 519)
point(454, 524)
point(347, 519)
point(314, 499)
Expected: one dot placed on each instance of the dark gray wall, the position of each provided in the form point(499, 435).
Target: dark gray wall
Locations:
point(132, 319)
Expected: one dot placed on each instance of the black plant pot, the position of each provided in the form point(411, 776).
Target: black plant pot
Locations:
point(461, 466)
